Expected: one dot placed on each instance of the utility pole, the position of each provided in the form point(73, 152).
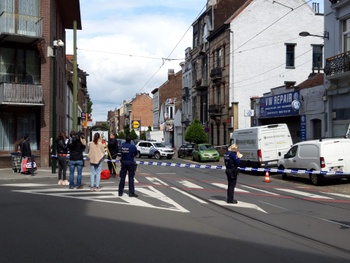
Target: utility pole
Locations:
point(75, 79)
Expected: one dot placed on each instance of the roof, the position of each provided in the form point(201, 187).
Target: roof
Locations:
point(70, 11)
point(315, 79)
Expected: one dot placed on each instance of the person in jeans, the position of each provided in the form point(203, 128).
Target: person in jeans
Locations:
point(62, 152)
point(76, 148)
point(96, 155)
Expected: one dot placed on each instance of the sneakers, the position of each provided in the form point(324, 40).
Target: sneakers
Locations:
point(92, 189)
point(97, 189)
point(133, 195)
point(80, 187)
point(60, 182)
point(232, 202)
point(65, 182)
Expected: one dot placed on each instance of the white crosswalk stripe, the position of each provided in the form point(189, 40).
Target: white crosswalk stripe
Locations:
point(301, 193)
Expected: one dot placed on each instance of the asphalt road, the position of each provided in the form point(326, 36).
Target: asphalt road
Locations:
point(180, 216)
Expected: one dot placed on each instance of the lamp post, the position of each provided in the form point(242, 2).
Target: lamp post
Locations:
point(56, 44)
point(307, 34)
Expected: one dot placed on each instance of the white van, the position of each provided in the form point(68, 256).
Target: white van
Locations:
point(327, 155)
point(262, 146)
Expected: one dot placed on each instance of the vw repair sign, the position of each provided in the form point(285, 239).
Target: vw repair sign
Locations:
point(286, 104)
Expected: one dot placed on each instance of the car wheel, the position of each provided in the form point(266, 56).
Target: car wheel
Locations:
point(138, 154)
point(315, 179)
point(157, 155)
point(284, 175)
point(199, 158)
point(193, 159)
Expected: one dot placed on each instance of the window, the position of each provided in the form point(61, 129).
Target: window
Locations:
point(219, 58)
point(204, 68)
point(317, 56)
point(346, 35)
point(19, 66)
point(290, 55)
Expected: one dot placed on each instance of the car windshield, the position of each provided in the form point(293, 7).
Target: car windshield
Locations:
point(206, 147)
point(159, 144)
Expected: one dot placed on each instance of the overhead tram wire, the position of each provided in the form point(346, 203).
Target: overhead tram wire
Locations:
point(128, 55)
point(166, 59)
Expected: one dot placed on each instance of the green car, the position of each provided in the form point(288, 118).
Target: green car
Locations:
point(205, 152)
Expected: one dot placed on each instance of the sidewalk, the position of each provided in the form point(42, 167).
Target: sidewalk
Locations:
point(8, 174)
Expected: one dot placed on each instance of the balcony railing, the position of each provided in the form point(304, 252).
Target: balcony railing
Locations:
point(337, 64)
point(26, 25)
point(21, 94)
point(201, 84)
point(215, 109)
point(216, 74)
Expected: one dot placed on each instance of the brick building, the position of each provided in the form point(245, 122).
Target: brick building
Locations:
point(28, 31)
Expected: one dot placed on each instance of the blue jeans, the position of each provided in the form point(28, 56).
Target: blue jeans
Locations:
point(79, 165)
point(95, 175)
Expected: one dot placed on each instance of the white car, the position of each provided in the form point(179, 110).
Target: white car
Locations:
point(324, 155)
point(154, 149)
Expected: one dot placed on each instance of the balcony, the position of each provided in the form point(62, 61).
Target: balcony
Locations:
point(216, 74)
point(338, 65)
point(21, 94)
point(215, 110)
point(20, 28)
point(201, 84)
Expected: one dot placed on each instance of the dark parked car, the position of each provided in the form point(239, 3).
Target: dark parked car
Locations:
point(185, 150)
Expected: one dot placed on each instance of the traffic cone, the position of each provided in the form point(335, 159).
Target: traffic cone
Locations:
point(267, 177)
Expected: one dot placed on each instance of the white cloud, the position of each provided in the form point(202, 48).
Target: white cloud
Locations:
point(142, 31)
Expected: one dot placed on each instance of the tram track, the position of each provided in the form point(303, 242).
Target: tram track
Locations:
point(232, 213)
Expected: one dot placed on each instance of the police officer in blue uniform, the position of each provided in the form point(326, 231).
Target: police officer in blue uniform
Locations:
point(232, 161)
point(128, 164)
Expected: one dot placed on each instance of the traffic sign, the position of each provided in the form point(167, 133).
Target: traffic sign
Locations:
point(136, 124)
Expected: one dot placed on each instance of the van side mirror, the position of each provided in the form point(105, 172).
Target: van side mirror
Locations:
point(285, 156)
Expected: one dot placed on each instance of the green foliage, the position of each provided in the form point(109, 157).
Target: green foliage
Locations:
point(149, 128)
point(133, 135)
point(121, 135)
point(127, 129)
point(143, 135)
point(195, 133)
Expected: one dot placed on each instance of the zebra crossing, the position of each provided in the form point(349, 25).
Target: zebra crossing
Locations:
point(152, 194)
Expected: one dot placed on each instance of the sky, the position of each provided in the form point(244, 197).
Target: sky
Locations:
point(127, 47)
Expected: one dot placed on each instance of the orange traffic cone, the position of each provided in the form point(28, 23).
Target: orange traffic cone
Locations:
point(267, 177)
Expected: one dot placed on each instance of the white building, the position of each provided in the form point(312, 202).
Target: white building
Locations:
point(267, 50)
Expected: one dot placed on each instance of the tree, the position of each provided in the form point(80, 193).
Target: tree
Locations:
point(121, 135)
point(149, 128)
point(143, 136)
point(195, 133)
point(133, 135)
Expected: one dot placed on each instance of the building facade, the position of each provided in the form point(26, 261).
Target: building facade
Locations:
point(243, 49)
point(337, 68)
point(28, 29)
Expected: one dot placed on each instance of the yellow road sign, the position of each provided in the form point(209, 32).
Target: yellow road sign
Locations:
point(136, 124)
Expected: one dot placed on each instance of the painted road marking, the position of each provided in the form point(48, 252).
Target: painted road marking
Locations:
point(297, 192)
point(260, 190)
point(156, 181)
point(336, 194)
point(189, 195)
point(189, 184)
point(224, 186)
point(239, 204)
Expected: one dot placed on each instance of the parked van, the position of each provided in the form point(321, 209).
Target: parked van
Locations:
point(329, 155)
point(262, 146)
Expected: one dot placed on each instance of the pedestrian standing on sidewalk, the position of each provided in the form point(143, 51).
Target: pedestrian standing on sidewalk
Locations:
point(27, 152)
point(232, 160)
point(112, 149)
point(76, 159)
point(96, 156)
point(128, 163)
point(62, 152)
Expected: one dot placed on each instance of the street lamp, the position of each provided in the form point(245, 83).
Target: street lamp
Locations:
point(56, 44)
point(307, 34)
